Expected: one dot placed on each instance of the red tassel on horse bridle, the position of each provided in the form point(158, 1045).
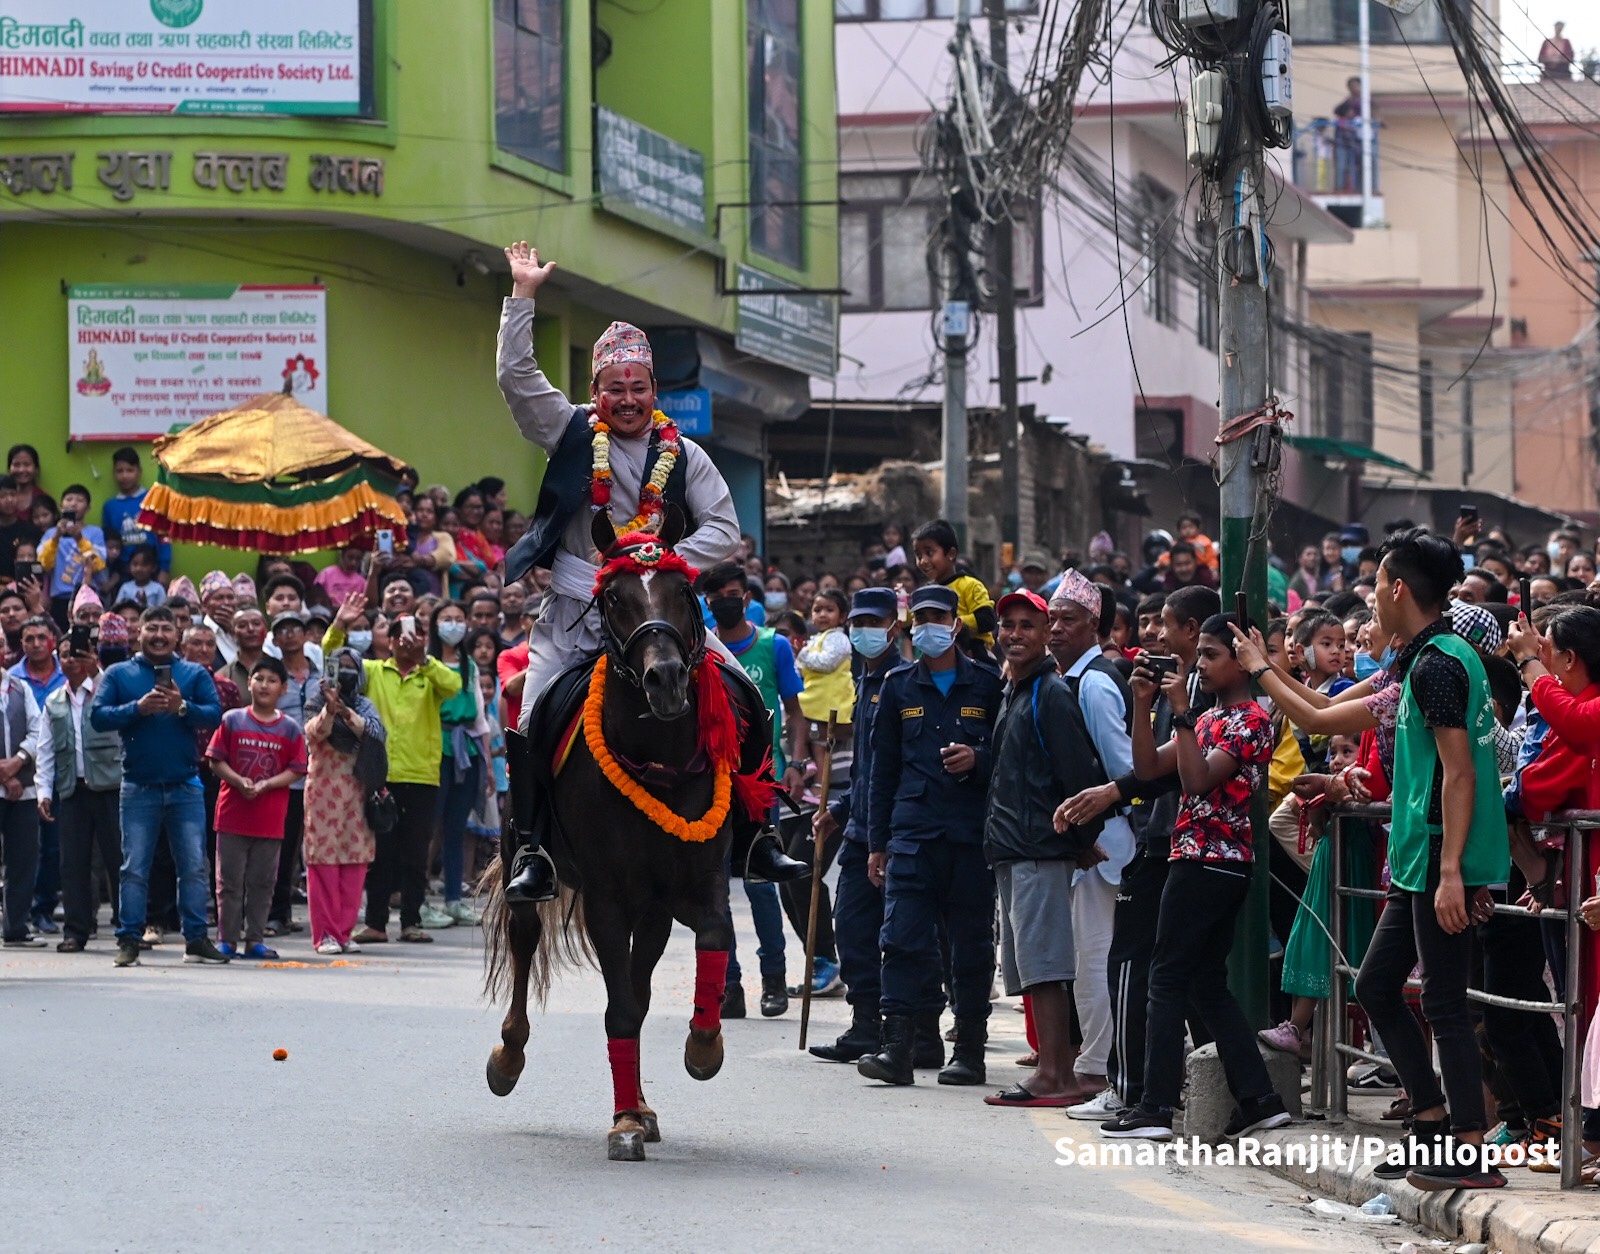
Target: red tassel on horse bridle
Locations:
point(719, 723)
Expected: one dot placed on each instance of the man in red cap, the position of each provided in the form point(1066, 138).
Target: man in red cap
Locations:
point(1042, 753)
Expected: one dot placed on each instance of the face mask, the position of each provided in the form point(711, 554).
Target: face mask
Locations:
point(112, 654)
point(360, 641)
point(933, 639)
point(1387, 659)
point(869, 642)
point(452, 633)
point(1366, 667)
point(726, 612)
point(1554, 550)
point(1349, 553)
point(1311, 657)
point(776, 602)
point(1014, 579)
point(349, 686)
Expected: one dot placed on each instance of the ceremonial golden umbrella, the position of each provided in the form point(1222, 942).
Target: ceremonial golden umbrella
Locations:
point(272, 476)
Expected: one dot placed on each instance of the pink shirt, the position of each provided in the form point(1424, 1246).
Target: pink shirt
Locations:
point(339, 584)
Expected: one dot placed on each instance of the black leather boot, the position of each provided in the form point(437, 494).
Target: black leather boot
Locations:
point(733, 1002)
point(966, 1059)
point(928, 1052)
point(533, 873)
point(774, 996)
point(864, 1036)
point(891, 1064)
point(768, 864)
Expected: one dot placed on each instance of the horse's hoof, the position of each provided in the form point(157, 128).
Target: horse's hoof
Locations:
point(652, 1127)
point(702, 1054)
point(625, 1147)
point(500, 1084)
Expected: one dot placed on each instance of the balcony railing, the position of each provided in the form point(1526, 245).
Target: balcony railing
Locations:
point(1327, 157)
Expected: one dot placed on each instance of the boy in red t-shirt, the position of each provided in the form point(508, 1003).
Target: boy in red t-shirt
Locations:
point(257, 753)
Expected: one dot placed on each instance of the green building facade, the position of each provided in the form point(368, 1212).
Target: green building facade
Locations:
point(664, 155)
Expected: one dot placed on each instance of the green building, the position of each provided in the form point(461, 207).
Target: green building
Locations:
point(200, 199)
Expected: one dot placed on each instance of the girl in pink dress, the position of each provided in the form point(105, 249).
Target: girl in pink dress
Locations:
point(344, 735)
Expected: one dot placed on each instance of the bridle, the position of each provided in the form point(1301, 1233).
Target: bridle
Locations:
point(618, 649)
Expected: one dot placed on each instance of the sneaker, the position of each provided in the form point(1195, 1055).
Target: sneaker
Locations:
point(1136, 1122)
point(127, 954)
point(328, 946)
point(1285, 1038)
point(1257, 1116)
point(228, 951)
point(1545, 1132)
point(26, 942)
point(1369, 1077)
point(1504, 1134)
point(462, 913)
point(44, 923)
point(1102, 1107)
point(435, 920)
point(202, 950)
point(1423, 1146)
point(1468, 1172)
point(153, 936)
point(260, 952)
point(369, 935)
point(350, 946)
point(825, 979)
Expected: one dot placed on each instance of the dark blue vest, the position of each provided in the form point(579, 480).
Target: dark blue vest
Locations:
point(565, 490)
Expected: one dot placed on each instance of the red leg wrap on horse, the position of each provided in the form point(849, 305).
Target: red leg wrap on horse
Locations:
point(624, 1055)
point(710, 980)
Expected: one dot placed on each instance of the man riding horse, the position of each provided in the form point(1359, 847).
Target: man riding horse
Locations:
point(620, 455)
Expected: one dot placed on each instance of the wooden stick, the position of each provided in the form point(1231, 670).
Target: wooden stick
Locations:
point(824, 784)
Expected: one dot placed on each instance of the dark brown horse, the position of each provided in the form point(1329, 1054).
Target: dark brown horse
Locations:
point(624, 878)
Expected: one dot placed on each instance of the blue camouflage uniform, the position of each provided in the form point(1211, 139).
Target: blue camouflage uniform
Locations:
point(931, 824)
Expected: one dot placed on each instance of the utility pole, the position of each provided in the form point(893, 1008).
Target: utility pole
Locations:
point(957, 316)
point(1005, 309)
point(1246, 384)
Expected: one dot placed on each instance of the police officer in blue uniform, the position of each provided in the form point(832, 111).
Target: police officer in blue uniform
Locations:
point(931, 760)
point(858, 901)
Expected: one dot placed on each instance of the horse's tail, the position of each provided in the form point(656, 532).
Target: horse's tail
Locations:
point(554, 937)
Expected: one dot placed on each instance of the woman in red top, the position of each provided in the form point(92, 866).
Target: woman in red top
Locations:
point(1563, 671)
point(471, 540)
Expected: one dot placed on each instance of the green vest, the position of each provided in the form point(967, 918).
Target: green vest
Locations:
point(760, 662)
point(102, 750)
point(1486, 858)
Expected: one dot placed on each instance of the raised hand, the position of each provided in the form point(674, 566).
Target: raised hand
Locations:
point(527, 275)
point(355, 605)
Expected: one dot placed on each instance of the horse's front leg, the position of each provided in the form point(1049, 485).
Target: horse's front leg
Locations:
point(650, 935)
point(706, 912)
point(520, 935)
point(610, 935)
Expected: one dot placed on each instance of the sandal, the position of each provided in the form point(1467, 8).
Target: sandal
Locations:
point(1399, 1110)
point(416, 936)
point(1028, 1060)
point(1016, 1095)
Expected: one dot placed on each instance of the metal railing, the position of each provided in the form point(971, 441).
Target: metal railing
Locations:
point(1330, 1048)
point(1327, 157)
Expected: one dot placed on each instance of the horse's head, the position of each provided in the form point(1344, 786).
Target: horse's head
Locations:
point(650, 618)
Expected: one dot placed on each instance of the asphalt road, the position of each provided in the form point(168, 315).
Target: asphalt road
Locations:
point(143, 1111)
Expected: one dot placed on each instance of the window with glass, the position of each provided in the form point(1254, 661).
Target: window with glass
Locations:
point(915, 10)
point(1206, 312)
point(1425, 418)
point(530, 80)
point(887, 225)
point(1158, 288)
point(776, 185)
point(1338, 22)
point(1341, 385)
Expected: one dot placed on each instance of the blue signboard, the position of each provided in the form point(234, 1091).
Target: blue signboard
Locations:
point(691, 410)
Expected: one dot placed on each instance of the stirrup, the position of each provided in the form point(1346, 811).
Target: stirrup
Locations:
point(536, 871)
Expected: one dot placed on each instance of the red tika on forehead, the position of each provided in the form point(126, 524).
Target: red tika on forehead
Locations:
point(642, 554)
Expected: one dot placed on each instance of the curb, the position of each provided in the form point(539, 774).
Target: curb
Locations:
point(1507, 1220)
